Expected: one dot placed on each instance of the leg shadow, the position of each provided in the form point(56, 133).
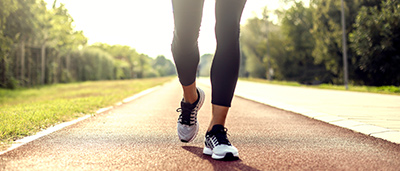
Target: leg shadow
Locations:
point(219, 164)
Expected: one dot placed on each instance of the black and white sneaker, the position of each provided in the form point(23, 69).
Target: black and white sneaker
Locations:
point(218, 146)
point(187, 121)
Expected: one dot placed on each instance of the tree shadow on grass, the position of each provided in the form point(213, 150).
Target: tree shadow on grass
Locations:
point(218, 164)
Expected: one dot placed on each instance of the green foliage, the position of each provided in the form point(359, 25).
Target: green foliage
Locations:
point(130, 64)
point(376, 39)
point(98, 65)
point(27, 26)
point(253, 42)
point(297, 24)
point(122, 55)
point(306, 45)
point(163, 66)
point(144, 68)
point(122, 69)
point(290, 47)
point(40, 46)
point(8, 8)
point(205, 65)
point(328, 35)
point(327, 32)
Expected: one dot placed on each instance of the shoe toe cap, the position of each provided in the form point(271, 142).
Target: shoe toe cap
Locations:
point(186, 133)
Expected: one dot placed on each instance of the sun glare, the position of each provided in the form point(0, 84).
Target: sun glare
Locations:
point(146, 26)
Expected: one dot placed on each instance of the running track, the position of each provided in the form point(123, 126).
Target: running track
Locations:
point(141, 135)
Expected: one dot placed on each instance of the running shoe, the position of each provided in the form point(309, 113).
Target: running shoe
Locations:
point(218, 146)
point(188, 127)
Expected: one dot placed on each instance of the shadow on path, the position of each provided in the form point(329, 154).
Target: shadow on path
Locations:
point(217, 164)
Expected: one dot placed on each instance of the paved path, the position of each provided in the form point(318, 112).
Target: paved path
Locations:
point(141, 135)
point(373, 114)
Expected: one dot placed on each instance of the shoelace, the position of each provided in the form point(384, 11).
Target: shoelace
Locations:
point(221, 136)
point(186, 117)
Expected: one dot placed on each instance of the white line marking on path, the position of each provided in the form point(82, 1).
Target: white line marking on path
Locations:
point(60, 126)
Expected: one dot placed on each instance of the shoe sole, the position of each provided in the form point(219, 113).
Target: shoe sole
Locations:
point(200, 104)
point(226, 157)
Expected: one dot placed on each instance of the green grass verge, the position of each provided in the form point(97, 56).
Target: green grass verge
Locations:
point(24, 112)
point(382, 90)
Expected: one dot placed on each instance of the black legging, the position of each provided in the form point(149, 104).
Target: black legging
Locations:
point(226, 62)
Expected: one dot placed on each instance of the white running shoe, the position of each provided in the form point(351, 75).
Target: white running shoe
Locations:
point(188, 127)
point(218, 146)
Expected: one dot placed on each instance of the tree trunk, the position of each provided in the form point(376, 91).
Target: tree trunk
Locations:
point(43, 57)
point(37, 68)
point(57, 67)
point(22, 57)
point(132, 72)
point(3, 71)
point(68, 61)
point(29, 68)
point(5, 80)
point(15, 61)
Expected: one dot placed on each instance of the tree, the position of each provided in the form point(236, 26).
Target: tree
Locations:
point(163, 66)
point(62, 38)
point(376, 40)
point(327, 33)
point(20, 24)
point(123, 54)
point(94, 64)
point(41, 46)
point(286, 48)
point(299, 64)
point(72, 43)
point(253, 46)
point(144, 68)
point(7, 7)
point(205, 65)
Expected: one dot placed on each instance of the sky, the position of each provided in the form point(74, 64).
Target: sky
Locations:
point(146, 25)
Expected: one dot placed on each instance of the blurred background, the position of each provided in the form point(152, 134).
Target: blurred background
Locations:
point(55, 41)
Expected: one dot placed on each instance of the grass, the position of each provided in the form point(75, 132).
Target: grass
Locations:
point(370, 89)
point(24, 112)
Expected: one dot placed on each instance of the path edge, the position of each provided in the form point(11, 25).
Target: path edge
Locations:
point(389, 135)
point(20, 142)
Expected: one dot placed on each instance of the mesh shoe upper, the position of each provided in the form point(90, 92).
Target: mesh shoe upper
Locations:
point(217, 136)
point(218, 146)
point(188, 126)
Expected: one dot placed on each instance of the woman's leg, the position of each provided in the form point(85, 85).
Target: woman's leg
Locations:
point(224, 75)
point(187, 19)
point(225, 66)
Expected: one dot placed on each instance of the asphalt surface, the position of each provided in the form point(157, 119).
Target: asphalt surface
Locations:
point(141, 135)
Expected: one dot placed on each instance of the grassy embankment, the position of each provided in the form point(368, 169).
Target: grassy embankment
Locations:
point(383, 89)
point(24, 112)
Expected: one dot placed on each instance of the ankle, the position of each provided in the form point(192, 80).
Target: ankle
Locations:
point(192, 99)
point(190, 93)
point(219, 114)
point(212, 125)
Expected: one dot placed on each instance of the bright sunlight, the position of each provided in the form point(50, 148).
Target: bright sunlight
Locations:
point(146, 26)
